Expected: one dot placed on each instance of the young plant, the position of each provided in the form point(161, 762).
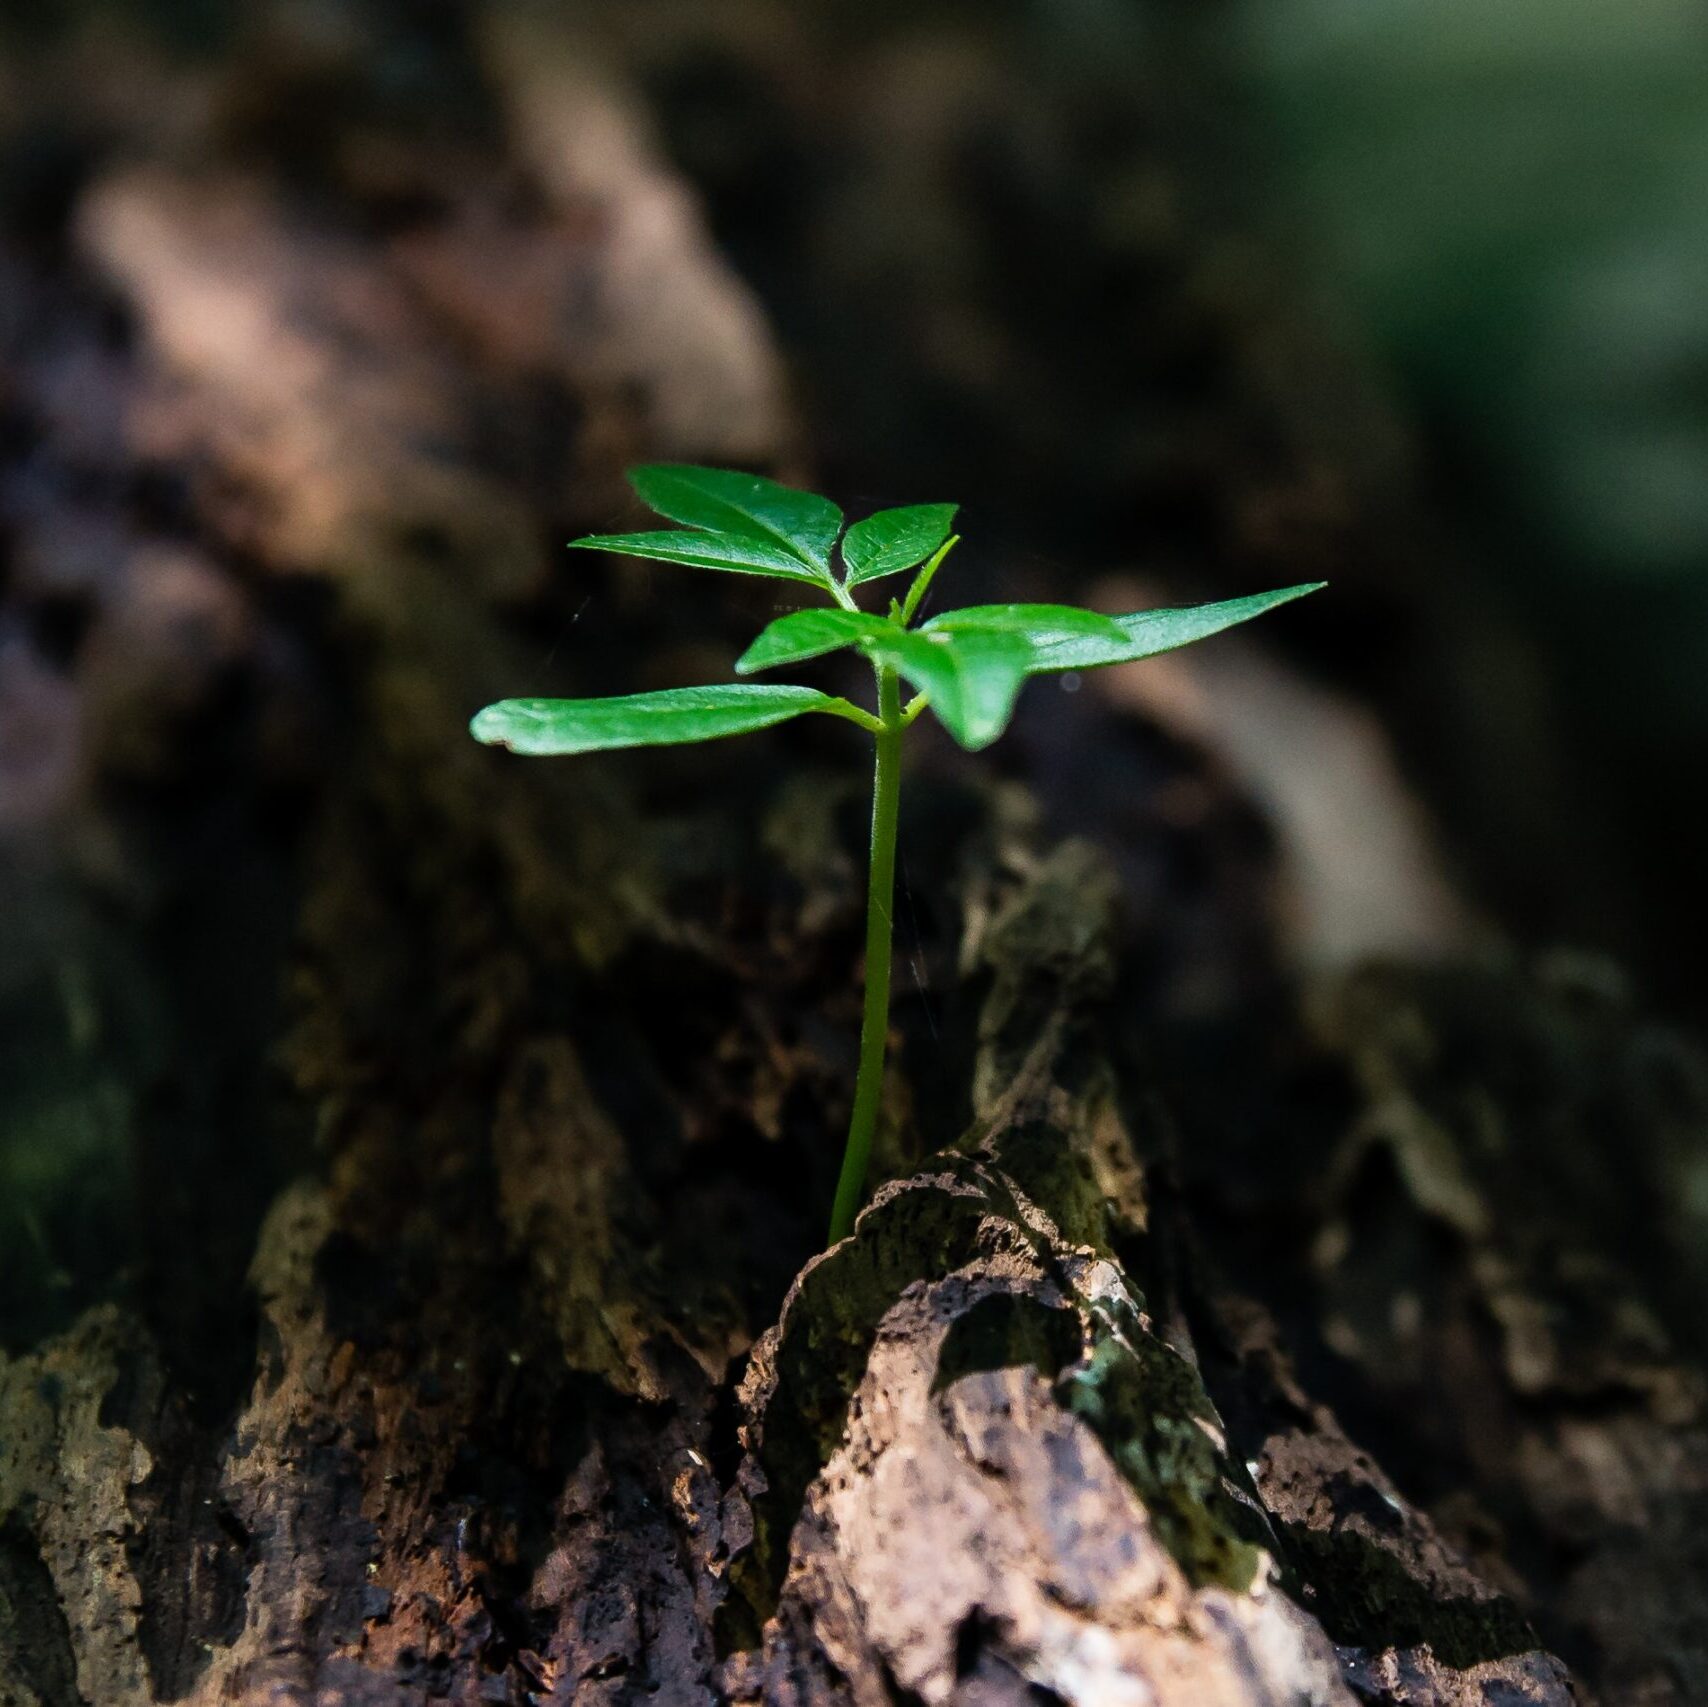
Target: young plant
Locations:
point(967, 666)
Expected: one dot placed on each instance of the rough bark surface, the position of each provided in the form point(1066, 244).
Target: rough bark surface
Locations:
point(505, 1369)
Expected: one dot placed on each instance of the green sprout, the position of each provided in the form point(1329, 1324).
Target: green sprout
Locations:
point(968, 666)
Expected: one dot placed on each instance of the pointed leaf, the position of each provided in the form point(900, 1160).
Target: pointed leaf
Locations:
point(1043, 625)
point(734, 552)
point(970, 680)
point(1148, 632)
point(893, 540)
point(806, 634)
point(721, 500)
point(548, 726)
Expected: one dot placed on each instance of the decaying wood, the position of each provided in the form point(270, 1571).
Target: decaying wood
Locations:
point(1535, 1133)
point(547, 1396)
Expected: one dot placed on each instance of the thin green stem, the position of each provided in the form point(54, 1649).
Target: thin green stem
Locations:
point(880, 900)
point(854, 714)
point(841, 594)
point(923, 579)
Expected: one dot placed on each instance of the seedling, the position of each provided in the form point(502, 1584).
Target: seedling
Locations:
point(967, 666)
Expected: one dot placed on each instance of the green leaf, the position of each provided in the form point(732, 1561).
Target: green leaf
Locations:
point(1147, 632)
point(809, 634)
point(550, 726)
point(734, 552)
point(1043, 625)
point(722, 501)
point(893, 540)
point(971, 680)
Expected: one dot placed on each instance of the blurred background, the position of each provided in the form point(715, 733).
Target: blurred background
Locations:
point(1178, 300)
